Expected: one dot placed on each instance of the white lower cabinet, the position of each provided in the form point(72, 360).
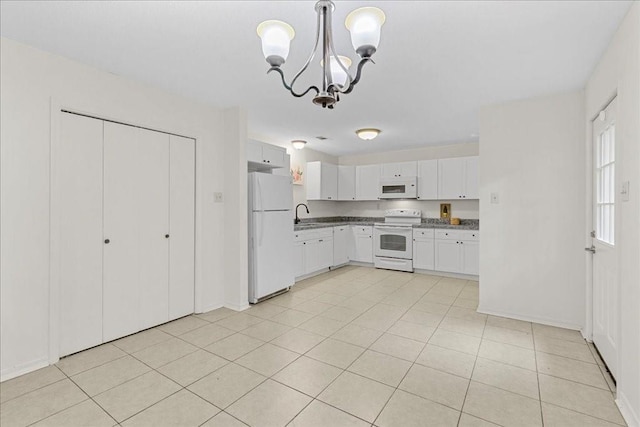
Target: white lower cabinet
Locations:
point(423, 249)
point(298, 257)
point(313, 250)
point(457, 251)
point(362, 249)
point(452, 251)
point(341, 237)
point(470, 257)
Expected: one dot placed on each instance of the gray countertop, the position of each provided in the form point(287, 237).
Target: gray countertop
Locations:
point(437, 223)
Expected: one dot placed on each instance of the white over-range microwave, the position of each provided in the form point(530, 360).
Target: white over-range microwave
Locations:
point(398, 187)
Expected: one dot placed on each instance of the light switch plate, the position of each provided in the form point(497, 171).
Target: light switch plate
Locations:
point(217, 197)
point(495, 199)
point(624, 191)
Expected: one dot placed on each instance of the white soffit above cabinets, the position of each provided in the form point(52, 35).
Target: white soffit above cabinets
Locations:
point(438, 61)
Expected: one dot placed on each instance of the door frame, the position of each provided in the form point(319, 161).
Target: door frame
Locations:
point(587, 332)
point(56, 107)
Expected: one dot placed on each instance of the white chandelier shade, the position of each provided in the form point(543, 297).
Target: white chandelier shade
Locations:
point(276, 39)
point(338, 75)
point(364, 24)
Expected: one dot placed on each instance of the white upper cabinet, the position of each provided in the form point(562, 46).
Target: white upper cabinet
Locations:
point(322, 181)
point(471, 178)
point(400, 169)
point(265, 156)
point(346, 182)
point(428, 180)
point(367, 182)
point(458, 178)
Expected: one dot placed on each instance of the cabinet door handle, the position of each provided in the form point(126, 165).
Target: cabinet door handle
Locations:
point(166, 236)
point(106, 241)
point(320, 240)
point(304, 243)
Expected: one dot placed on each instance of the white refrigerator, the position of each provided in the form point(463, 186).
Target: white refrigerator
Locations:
point(270, 235)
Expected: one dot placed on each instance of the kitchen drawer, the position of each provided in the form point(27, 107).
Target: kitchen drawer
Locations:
point(362, 229)
point(457, 234)
point(423, 233)
point(316, 233)
point(448, 234)
point(470, 235)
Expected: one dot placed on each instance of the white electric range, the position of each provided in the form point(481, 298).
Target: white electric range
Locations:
point(393, 239)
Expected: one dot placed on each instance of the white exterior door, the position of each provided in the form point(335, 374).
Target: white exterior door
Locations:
point(605, 258)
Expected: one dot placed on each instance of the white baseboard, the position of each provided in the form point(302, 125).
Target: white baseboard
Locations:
point(447, 274)
point(210, 307)
point(237, 307)
point(23, 368)
point(627, 411)
point(535, 319)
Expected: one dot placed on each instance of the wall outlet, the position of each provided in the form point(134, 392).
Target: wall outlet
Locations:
point(495, 199)
point(217, 198)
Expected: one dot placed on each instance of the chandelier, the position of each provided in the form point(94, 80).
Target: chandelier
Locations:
point(364, 25)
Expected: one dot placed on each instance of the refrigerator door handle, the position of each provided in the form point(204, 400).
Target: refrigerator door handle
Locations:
point(261, 228)
point(260, 193)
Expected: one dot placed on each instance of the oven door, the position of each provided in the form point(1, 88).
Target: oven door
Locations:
point(393, 242)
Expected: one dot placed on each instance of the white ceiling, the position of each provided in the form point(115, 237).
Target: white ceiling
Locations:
point(437, 64)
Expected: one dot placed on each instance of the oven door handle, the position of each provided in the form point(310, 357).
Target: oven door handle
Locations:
point(391, 227)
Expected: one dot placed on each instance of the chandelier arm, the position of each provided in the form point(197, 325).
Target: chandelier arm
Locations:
point(337, 87)
point(311, 56)
point(355, 80)
point(290, 88)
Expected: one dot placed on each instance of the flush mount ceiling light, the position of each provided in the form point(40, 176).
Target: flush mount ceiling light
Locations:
point(367, 134)
point(298, 144)
point(364, 24)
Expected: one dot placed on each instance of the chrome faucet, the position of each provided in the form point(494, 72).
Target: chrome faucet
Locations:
point(297, 220)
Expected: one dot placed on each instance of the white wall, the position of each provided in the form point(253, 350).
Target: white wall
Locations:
point(467, 209)
point(30, 80)
point(236, 269)
point(532, 257)
point(618, 72)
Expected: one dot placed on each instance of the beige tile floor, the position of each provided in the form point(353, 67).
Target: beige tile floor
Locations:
point(353, 347)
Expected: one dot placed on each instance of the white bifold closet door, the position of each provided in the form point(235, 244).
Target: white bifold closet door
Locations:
point(136, 223)
point(79, 205)
point(181, 226)
point(126, 198)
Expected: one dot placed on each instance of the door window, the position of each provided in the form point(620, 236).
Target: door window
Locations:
point(605, 185)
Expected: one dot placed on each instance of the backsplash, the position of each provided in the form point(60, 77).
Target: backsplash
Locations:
point(464, 209)
point(435, 221)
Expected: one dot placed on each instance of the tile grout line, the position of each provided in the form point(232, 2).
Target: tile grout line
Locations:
point(466, 393)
